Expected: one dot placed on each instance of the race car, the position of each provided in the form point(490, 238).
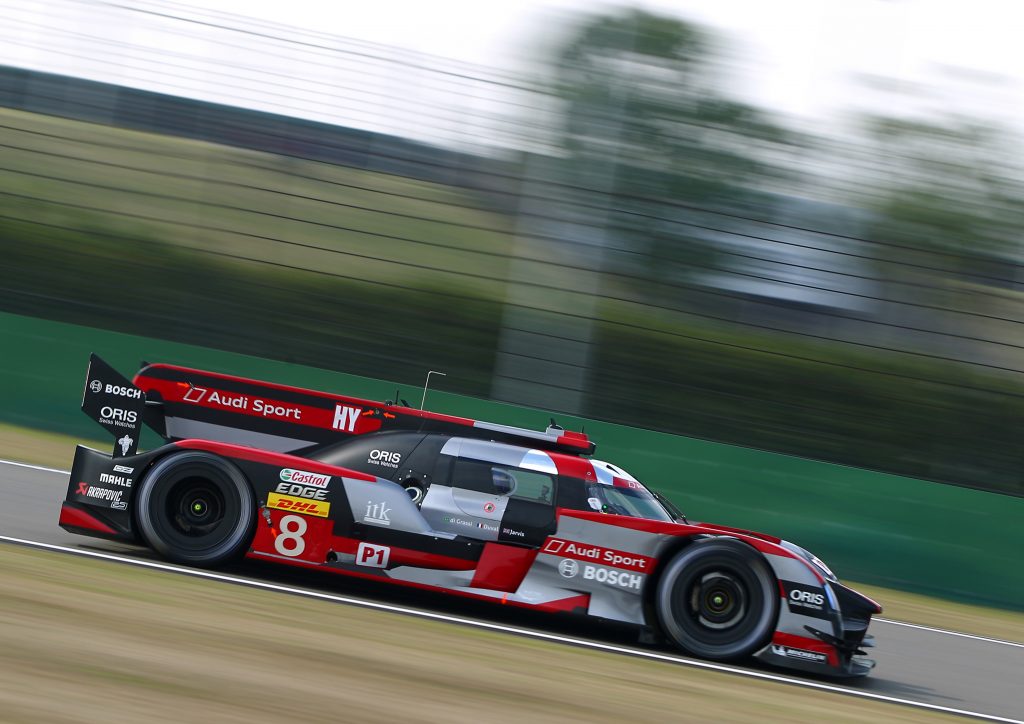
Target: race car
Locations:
point(472, 508)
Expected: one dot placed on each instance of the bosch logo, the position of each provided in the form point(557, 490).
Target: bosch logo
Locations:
point(568, 568)
point(799, 596)
point(96, 386)
point(612, 578)
point(122, 391)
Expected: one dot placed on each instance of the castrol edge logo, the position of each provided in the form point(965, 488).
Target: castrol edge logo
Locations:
point(598, 554)
point(317, 480)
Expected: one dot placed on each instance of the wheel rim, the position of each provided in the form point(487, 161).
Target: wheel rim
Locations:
point(194, 507)
point(718, 600)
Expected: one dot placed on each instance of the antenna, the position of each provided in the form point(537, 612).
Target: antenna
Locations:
point(427, 384)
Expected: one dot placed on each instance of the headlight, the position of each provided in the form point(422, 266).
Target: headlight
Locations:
point(822, 567)
point(812, 559)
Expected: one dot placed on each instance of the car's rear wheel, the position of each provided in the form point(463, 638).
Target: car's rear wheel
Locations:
point(718, 599)
point(196, 508)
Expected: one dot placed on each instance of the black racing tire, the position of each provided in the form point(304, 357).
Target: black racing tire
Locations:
point(196, 508)
point(718, 599)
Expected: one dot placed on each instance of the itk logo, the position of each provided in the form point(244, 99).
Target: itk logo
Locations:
point(96, 386)
point(345, 418)
point(568, 568)
point(377, 513)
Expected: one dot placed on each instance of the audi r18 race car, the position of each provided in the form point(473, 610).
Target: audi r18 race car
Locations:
point(478, 509)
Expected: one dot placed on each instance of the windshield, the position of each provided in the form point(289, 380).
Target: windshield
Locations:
point(619, 493)
point(634, 502)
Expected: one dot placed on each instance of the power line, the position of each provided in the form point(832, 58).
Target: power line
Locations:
point(627, 325)
point(395, 237)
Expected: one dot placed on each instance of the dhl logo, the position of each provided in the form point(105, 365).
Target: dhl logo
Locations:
point(318, 508)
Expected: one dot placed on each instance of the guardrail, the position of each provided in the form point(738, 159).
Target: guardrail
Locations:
point(884, 529)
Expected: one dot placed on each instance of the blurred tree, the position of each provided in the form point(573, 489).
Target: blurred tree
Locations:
point(954, 190)
point(648, 132)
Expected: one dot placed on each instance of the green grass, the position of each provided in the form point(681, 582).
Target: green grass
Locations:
point(126, 644)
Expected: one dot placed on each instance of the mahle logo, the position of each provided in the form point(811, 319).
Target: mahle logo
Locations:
point(303, 478)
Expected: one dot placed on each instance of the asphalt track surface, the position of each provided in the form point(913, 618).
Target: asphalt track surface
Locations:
point(941, 670)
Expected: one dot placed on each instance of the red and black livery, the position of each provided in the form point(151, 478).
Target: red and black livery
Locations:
point(473, 508)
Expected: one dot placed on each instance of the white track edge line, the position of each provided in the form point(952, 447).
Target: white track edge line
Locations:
point(1004, 642)
point(34, 467)
point(583, 643)
point(922, 627)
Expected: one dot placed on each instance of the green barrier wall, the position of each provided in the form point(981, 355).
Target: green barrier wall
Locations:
point(884, 529)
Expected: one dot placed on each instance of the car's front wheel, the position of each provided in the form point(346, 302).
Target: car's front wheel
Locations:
point(196, 508)
point(718, 599)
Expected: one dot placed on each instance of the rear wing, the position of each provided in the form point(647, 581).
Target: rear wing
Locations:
point(179, 403)
point(115, 404)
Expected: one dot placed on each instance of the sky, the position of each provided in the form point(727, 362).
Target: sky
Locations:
point(799, 56)
point(813, 60)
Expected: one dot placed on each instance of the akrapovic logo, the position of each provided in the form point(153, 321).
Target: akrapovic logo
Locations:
point(301, 477)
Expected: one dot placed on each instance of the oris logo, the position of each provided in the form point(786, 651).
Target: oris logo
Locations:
point(385, 457)
point(116, 416)
point(798, 596)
